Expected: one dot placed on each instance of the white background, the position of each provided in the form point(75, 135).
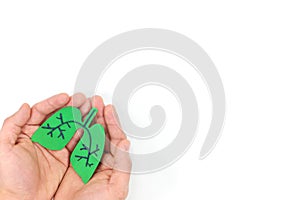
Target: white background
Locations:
point(255, 46)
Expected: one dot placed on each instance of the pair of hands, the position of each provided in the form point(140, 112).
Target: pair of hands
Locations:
point(30, 171)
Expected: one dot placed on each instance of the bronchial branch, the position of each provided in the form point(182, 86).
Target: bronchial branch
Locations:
point(88, 147)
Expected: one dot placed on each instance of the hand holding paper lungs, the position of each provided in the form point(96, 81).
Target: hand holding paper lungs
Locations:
point(56, 132)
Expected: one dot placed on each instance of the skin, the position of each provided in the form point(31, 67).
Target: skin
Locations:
point(29, 171)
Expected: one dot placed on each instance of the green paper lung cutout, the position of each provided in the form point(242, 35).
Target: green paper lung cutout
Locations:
point(56, 132)
point(88, 152)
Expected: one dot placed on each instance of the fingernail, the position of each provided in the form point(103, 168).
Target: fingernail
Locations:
point(63, 98)
point(23, 106)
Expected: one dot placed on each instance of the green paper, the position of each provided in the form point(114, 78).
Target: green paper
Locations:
point(56, 132)
point(88, 152)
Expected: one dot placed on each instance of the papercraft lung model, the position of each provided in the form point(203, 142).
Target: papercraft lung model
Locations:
point(56, 132)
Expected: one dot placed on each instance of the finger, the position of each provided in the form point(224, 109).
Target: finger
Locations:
point(75, 139)
point(122, 168)
point(80, 101)
point(85, 108)
point(113, 127)
point(77, 100)
point(114, 132)
point(12, 126)
point(112, 123)
point(97, 102)
point(42, 109)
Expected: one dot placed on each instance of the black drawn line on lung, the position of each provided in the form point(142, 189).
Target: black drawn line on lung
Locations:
point(84, 126)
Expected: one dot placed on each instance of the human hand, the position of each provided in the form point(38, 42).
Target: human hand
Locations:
point(110, 180)
point(28, 170)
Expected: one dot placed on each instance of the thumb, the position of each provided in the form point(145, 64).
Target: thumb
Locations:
point(121, 169)
point(12, 126)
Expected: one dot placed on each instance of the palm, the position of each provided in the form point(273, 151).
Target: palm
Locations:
point(28, 167)
point(97, 188)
